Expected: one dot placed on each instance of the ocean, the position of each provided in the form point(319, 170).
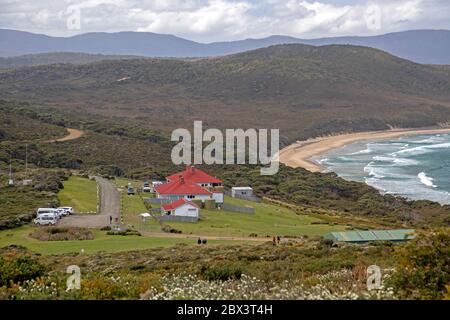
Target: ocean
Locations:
point(416, 167)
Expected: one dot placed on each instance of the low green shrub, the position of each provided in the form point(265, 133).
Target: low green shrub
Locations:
point(221, 272)
point(16, 266)
point(127, 232)
point(169, 229)
point(423, 267)
point(60, 234)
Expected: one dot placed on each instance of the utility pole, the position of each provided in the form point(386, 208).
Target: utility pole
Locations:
point(10, 181)
point(26, 158)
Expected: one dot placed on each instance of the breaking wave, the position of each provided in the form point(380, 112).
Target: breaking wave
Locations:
point(422, 149)
point(414, 167)
point(428, 181)
point(397, 161)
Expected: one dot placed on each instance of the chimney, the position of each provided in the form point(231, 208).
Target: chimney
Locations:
point(181, 179)
point(192, 169)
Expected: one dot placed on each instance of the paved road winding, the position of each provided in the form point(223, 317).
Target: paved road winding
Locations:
point(109, 207)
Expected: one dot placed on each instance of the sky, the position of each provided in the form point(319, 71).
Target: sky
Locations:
point(225, 20)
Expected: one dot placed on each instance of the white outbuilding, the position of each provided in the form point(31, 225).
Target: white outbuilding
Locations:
point(237, 192)
point(182, 208)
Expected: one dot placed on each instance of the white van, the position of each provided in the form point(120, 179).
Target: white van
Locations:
point(46, 219)
point(51, 211)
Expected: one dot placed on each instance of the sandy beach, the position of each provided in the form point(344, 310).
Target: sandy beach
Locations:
point(300, 153)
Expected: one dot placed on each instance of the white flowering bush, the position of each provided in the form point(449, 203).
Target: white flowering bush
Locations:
point(38, 289)
point(328, 287)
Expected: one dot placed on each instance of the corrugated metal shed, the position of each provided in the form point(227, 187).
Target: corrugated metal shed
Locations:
point(371, 235)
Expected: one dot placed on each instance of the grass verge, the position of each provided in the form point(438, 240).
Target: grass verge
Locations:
point(79, 193)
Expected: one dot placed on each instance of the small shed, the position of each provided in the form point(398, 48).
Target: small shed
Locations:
point(241, 192)
point(363, 236)
point(27, 182)
point(145, 216)
point(182, 207)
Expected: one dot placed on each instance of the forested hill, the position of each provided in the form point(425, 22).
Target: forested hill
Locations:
point(303, 90)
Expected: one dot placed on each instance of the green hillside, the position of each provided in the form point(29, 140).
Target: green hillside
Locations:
point(303, 90)
point(56, 57)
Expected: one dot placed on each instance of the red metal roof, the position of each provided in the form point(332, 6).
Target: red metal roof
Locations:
point(176, 204)
point(181, 187)
point(194, 175)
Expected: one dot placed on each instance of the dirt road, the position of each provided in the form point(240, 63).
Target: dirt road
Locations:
point(208, 237)
point(72, 135)
point(109, 207)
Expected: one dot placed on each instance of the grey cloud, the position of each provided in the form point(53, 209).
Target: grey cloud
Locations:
point(216, 20)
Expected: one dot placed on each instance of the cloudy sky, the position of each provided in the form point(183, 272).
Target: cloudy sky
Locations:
point(219, 20)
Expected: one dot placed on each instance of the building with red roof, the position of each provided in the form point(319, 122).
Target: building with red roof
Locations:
point(197, 176)
point(185, 186)
point(181, 207)
point(182, 189)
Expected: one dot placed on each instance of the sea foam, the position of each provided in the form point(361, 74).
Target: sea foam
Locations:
point(428, 181)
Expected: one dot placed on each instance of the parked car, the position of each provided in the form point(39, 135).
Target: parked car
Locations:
point(53, 211)
point(45, 219)
point(62, 212)
point(67, 210)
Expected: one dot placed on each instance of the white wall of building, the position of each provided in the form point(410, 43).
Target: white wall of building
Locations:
point(218, 197)
point(186, 210)
point(241, 191)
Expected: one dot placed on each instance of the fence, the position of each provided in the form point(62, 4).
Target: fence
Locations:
point(155, 210)
point(239, 209)
point(157, 200)
point(177, 218)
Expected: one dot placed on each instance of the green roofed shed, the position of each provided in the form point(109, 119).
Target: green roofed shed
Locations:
point(361, 236)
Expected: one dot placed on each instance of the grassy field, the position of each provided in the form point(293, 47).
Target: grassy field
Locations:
point(268, 220)
point(101, 242)
point(79, 193)
point(133, 205)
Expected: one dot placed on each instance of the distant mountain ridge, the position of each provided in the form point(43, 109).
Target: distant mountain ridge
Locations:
point(422, 46)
